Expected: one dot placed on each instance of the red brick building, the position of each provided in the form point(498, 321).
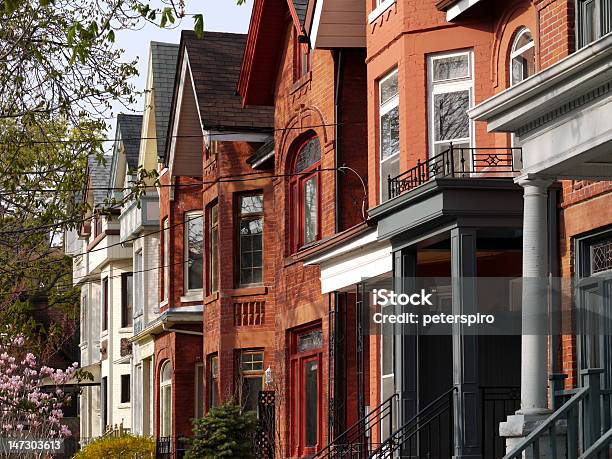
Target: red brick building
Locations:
point(319, 101)
point(217, 303)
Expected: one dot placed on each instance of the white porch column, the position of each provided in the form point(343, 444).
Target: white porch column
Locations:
point(534, 346)
point(534, 342)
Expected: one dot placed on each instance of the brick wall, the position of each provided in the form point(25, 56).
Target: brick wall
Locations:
point(556, 30)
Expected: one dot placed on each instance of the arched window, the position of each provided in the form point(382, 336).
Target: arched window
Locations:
point(165, 400)
point(522, 57)
point(305, 199)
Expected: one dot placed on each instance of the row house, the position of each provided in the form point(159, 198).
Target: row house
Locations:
point(103, 270)
point(447, 198)
point(217, 301)
point(140, 229)
point(318, 97)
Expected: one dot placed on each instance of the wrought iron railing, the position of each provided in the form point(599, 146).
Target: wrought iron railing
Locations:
point(458, 162)
point(430, 433)
point(574, 429)
point(170, 447)
point(357, 441)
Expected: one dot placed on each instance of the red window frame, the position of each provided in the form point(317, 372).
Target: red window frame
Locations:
point(301, 52)
point(298, 362)
point(297, 193)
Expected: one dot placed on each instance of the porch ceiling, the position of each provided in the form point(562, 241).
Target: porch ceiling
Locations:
point(336, 23)
point(561, 116)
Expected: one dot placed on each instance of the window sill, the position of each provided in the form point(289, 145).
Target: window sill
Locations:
point(124, 405)
point(379, 10)
point(164, 303)
point(301, 82)
point(249, 290)
point(124, 330)
point(212, 297)
point(191, 296)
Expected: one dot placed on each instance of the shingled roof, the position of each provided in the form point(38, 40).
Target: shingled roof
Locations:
point(215, 62)
point(99, 174)
point(300, 8)
point(163, 66)
point(130, 127)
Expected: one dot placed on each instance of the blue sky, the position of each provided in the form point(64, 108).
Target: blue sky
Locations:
point(219, 16)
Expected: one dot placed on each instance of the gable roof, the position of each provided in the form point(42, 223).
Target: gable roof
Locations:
point(130, 127)
point(164, 57)
point(99, 179)
point(300, 6)
point(263, 51)
point(214, 62)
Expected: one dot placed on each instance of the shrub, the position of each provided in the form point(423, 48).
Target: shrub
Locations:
point(225, 431)
point(126, 446)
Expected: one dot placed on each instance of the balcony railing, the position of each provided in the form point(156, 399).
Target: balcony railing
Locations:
point(137, 215)
point(458, 162)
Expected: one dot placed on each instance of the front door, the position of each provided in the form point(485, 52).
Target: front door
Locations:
point(594, 301)
point(306, 384)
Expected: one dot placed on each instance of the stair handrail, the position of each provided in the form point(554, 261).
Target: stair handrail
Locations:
point(413, 419)
point(547, 426)
point(597, 447)
point(325, 452)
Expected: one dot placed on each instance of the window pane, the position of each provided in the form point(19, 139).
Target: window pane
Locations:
point(589, 21)
point(166, 257)
point(389, 133)
point(195, 275)
point(451, 68)
point(250, 392)
point(199, 409)
point(388, 88)
point(388, 168)
point(450, 115)
point(251, 204)
point(310, 340)
point(310, 210)
point(309, 155)
point(311, 409)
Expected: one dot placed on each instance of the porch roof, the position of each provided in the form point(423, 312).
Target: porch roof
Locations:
point(443, 203)
point(560, 115)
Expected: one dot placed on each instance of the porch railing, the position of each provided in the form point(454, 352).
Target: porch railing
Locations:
point(430, 433)
point(575, 426)
point(458, 162)
point(170, 447)
point(356, 441)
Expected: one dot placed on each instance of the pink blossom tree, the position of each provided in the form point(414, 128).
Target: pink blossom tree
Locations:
point(31, 396)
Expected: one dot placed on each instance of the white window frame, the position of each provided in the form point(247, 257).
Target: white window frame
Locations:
point(138, 286)
point(166, 258)
point(449, 86)
point(163, 385)
point(383, 109)
point(514, 53)
point(187, 218)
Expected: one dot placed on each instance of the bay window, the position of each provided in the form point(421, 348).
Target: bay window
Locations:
point(305, 188)
point(251, 378)
point(194, 240)
point(213, 248)
point(213, 380)
point(251, 239)
point(389, 131)
point(165, 262)
point(450, 97)
point(105, 303)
